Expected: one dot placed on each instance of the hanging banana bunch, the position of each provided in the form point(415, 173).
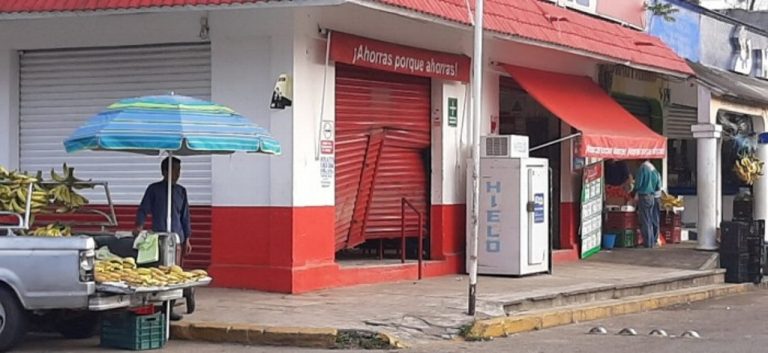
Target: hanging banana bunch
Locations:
point(748, 168)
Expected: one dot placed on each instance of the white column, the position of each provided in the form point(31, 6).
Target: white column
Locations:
point(719, 184)
point(9, 114)
point(707, 140)
point(760, 189)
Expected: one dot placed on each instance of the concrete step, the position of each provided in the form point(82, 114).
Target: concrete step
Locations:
point(552, 317)
point(583, 296)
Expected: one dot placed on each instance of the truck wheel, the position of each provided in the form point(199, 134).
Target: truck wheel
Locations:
point(13, 320)
point(79, 326)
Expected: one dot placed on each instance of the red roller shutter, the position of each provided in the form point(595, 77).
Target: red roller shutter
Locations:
point(382, 127)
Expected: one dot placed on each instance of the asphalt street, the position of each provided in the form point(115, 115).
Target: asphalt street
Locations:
point(735, 324)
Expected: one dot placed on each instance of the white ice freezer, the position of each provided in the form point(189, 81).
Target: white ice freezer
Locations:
point(514, 216)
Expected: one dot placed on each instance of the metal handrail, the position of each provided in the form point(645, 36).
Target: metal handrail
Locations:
point(403, 203)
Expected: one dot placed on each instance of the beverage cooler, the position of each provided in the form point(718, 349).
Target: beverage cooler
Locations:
point(514, 208)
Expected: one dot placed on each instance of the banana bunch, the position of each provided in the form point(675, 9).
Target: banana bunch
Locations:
point(14, 187)
point(669, 202)
point(63, 194)
point(53, 230)
point(748, 168)
point(125, 270)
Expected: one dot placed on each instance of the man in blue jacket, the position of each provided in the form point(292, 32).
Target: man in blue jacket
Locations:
point(155, 203)
point(648, 190)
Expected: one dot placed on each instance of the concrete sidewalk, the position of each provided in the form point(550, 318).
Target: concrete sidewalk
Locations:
point(433, 309)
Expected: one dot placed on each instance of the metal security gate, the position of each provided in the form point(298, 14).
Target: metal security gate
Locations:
point(61, 89)
point(382, 144)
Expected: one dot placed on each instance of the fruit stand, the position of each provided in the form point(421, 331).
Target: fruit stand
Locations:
point(130, 293)
point(621, 218)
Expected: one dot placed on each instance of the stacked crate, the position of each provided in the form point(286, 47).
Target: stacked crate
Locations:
point(671, 224)
point(624, 225)
point(130, 331)
point(742, 251)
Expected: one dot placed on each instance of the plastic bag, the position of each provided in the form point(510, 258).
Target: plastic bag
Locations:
point(148, 246)
point(103, 254)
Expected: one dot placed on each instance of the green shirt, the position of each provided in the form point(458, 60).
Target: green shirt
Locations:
point(647, 180)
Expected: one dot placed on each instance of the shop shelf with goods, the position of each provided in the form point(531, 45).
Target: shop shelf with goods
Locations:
point(622, 221)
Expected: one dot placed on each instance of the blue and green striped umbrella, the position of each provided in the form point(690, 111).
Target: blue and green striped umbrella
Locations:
point(177, 124)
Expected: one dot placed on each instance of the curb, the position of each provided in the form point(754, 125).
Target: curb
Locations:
point(504, 326)
point(304, 337)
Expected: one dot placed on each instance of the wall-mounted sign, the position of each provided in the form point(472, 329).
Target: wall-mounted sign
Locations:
point(375, 54)
point(326, 147)
point(748, 61)
point(453, 111)
point(327, 130)
point(742, 63)
point(327, 170)
point(591, 209)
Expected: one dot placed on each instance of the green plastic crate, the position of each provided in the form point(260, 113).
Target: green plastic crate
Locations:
point(126, 330)
point(625, 238)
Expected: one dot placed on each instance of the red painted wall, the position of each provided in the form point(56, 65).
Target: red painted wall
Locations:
point(251, 247)
point(448, 225)
point(569, 225)
point(291, 249)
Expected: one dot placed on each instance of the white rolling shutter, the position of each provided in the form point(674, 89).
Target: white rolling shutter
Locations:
point(678, 121)
point(61, 89)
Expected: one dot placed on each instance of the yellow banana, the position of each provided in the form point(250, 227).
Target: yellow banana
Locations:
point(15, 207)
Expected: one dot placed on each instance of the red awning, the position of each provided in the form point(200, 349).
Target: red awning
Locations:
point(607, 129)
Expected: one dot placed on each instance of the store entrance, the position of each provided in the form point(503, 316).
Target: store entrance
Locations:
point(520, 114)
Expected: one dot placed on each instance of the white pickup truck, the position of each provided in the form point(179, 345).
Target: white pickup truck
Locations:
point(48, 283)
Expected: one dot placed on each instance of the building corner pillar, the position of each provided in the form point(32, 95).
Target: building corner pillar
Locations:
point(707, 141)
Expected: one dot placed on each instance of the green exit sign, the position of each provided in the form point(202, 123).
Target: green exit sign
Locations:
point(453, 111)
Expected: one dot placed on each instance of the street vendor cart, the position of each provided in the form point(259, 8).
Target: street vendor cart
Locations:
point(50, 269)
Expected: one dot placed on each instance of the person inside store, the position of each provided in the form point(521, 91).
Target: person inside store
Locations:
point(154, 203)
point(617, 173)
point(647, 190)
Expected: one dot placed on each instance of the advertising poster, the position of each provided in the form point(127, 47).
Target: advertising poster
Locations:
point(591, 209)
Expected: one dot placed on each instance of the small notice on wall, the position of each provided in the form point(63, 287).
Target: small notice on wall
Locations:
point(326, 147)
point(327, 170)
point(327, 154)
point(453, 112)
